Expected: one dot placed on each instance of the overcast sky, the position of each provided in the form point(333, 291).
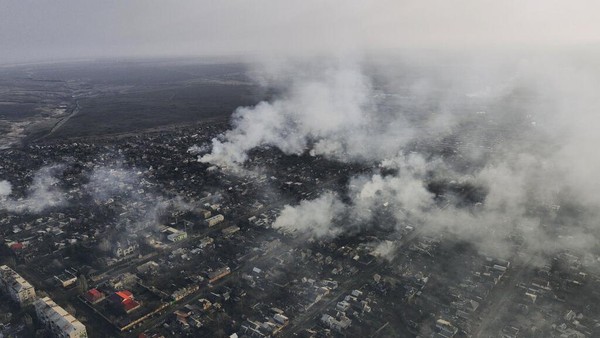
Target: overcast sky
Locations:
point(58, 29)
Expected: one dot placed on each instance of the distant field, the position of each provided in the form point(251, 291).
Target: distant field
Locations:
point(12, 110)
point(152, 108)
point(124, 96)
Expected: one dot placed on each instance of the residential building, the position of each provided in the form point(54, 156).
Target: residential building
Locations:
point(214, 276)
point(125, 300)
point(125, 248)
point(17, 288)
point(94, 296)
point(57, 320)
point(230, 230)
point(66, 279)
point(178, 236)
point(174, 235)
point(215, 220)
point(336, 324)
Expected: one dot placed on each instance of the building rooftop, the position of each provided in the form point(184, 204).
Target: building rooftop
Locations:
point(57, 315)
point(13, 279)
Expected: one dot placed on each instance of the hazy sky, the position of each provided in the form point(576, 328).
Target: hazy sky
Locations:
point(57, 29)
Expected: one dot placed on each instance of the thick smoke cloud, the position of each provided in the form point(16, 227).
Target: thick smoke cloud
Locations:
point(323, 110)
point(404, 193)
point(329, 108)
point(508, 142)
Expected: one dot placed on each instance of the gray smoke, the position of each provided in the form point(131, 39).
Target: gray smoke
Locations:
point(42, 193)
point(144, 205)
point(520, 129)
point(315, 217)
point(107, 185)
point(5, 189)
point(108, 182)
point(384, 249)
point(197, 150)
point(328, 109)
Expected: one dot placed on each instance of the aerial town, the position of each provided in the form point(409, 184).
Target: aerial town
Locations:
point(142, 240)
point(299, 169)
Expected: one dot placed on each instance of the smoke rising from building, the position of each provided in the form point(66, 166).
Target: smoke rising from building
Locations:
point(42, 193)
point(323, 110)
point(315, 217)
point(107, 185)
point(507, 144)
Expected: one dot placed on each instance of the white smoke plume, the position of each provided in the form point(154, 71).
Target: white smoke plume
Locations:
point(108, 182)
point(197, 150)
point(326, 109)
point(5, 189)
point(518, 203)
point(315, 217)
point(43, 193)
point(405, 194)
point(385, 249)
point(520, 130)
point(146, 206)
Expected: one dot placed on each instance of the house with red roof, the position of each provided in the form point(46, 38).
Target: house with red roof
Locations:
point(124, 295)
point(94, 296)
point(17, 246)
point(124, 300)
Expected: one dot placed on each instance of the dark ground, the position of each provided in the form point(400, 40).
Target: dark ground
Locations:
point(106, 97)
